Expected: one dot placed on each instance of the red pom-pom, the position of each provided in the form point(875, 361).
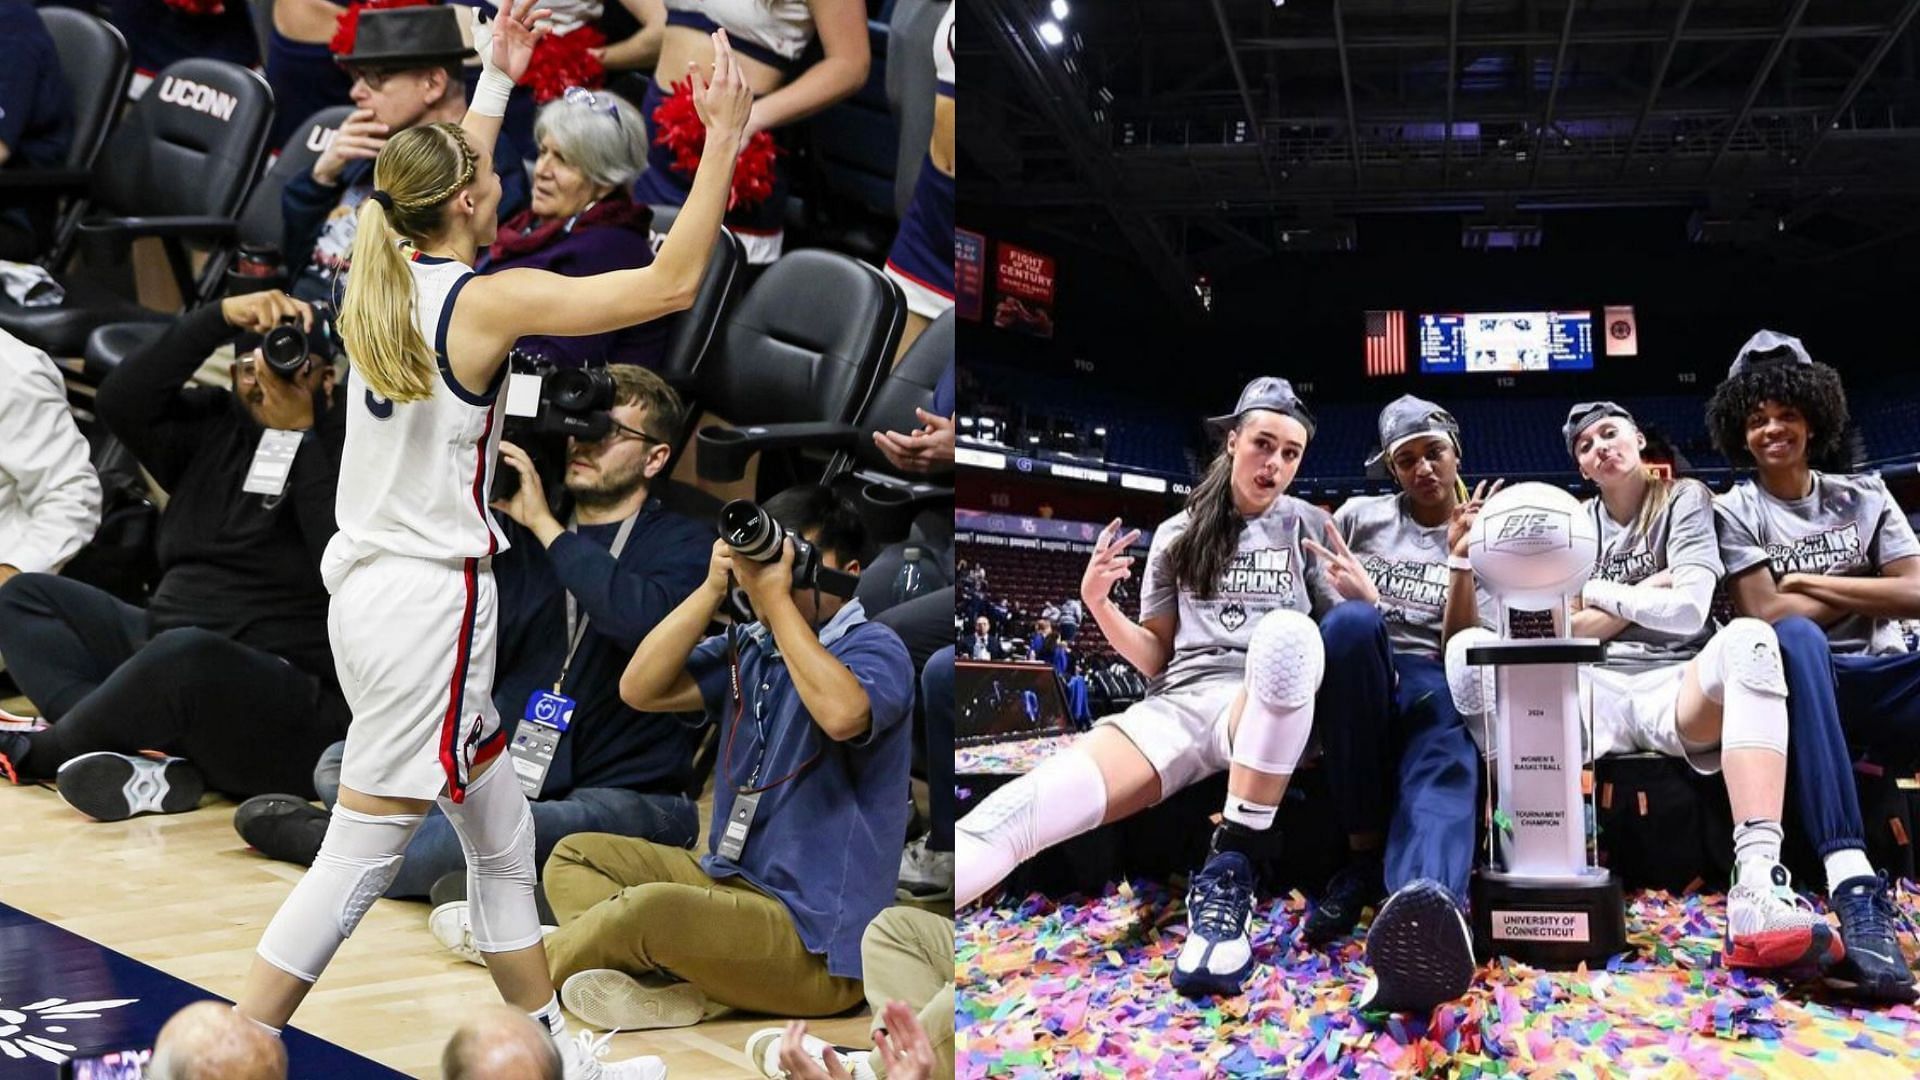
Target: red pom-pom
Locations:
point(563, 60)
point(198, 7)
point(677, 126)
point(348, 25)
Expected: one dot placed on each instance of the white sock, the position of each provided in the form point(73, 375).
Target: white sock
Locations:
point(550, 1017)
point(268, 1028)
point(1844, 864)
point(1756, 849)
point(1250, 815)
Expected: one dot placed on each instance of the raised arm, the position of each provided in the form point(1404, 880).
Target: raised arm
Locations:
point(505, 46)
point(1147, 644)
point(499, 309)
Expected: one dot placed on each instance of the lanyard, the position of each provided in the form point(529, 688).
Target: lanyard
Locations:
point(753, 785)
point(577, 622)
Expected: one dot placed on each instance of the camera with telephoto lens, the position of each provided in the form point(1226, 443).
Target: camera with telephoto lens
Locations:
point(286, 347)
point(754, 534)
point(574, 403)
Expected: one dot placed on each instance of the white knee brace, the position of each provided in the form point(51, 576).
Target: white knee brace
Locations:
point(357, 861)
point(1472, 686)
point(496, 832)
point(1740, 669)
point(1062, 798)
point(1285, 662)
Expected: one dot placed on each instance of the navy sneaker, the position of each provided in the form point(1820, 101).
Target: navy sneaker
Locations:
point(1421, 950)
point(1217, 956)
point(1355, 887)
point(1872, 969)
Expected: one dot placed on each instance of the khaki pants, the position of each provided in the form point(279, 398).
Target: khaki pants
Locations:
point(907, 955)
point(640, 907)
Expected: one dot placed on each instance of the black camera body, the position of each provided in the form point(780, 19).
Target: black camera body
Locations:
point(574, 403)
point(754, 534)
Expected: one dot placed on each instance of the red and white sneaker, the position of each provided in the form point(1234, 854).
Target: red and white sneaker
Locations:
point(24, 724)
point(1770, 927)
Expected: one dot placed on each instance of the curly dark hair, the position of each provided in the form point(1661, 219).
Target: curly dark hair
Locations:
point(1814, 389)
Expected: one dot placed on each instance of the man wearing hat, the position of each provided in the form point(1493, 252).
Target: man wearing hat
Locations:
point(1830, 560)
point(406, 70)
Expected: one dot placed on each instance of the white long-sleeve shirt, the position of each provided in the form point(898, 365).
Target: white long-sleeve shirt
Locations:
point(49, 493)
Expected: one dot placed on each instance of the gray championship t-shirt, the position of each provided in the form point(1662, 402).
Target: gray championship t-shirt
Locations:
point(1848, 526)
point(1408, 564)
point(1681, 534)
point(1269, 571)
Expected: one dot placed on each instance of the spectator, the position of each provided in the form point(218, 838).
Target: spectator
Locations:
point(582, 221)
point(406, 68)
point(633, 29)
point(980, 645)
point(921, 259)
point(1072, 612)
point(300, 65)
point(769, 38)
point(163, 32)
point(49, 493)
point(500, 1042)
point(207, 1040)
point(36, 125)
point(239, 617)
point(810, 806)
point(624, 565)
point(902, 1053)
point(929, 449)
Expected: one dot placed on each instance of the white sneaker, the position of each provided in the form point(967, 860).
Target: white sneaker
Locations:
point(925, 875)
point(580, 1060)
point(452, 927)
point(614, 999)
point(1771, 927)
point(15, 722)
point(763, 1052)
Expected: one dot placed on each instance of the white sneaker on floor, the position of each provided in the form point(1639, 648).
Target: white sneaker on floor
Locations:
point(763, 1052)
point(15, 722)
point(580, 1060)
point(614, 999)
point(925, 875)
point(452, 927)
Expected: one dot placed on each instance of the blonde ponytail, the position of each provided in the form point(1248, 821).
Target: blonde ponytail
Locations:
point(416, 173)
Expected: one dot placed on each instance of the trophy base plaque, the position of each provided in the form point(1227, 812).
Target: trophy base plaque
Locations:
point(1555, 922)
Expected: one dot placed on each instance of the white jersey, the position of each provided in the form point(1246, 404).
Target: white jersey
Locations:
point(943, 53)
point(414, 478)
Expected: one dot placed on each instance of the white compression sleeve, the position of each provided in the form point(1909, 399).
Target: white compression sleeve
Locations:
point(1679, 609)
point(1285, 663)
point(1740, 668)
point(495, 828)
point(1060, 799)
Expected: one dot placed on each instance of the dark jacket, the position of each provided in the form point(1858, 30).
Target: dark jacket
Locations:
point(608, 744)
point(245, 566)
point(614, 234)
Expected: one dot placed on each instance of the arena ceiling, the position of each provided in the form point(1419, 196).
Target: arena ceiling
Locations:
point(1201, 135)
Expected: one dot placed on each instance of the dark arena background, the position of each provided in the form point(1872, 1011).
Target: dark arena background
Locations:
point(1162, 199)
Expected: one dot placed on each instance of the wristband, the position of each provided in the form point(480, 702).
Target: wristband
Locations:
point(490, 95)
point(1460, 562)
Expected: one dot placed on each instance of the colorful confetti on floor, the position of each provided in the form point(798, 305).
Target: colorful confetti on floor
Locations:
point(1007, 758)
point(1079, 988)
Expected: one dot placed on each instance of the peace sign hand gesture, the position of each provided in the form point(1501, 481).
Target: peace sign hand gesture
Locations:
point(1464, 514)
point(1109, 563)
point(1344, 571)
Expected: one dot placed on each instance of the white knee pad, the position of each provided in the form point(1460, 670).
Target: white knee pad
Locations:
point(1062, 798)
point(1285, 662)
point(1472, 686)
point(357, 861)
point(496, 832)
point(1740, 669)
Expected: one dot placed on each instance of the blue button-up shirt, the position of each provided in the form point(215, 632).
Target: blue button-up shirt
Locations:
point(826, 843)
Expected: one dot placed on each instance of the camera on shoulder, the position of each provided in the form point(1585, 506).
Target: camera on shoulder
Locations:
point(571, 403)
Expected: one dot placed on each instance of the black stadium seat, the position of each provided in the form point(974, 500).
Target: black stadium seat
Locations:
point(177, 167)
point(96, 66)
point(803, 346)
point(696, 329)
point(260, 222)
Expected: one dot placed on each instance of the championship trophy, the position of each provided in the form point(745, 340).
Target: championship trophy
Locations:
point(1541, 900)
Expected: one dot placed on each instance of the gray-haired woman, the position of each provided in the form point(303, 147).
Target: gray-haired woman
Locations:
point(581, 221)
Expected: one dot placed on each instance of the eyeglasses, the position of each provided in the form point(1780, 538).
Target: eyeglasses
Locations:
point(375, 77)
point(618, 428)
point(580, 95)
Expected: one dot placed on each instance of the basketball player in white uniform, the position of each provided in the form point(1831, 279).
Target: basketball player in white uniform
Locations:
point(412, 619)
point(1675, 685)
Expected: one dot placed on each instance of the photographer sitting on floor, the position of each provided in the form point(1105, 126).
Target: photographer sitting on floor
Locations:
point(229, 666)
point(810, 803)
point(574, 604)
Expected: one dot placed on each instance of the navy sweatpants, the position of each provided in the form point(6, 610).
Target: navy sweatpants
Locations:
point(1835, 704)
point(1399, 759)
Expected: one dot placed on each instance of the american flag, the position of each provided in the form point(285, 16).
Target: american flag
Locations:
point(1386, 343)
